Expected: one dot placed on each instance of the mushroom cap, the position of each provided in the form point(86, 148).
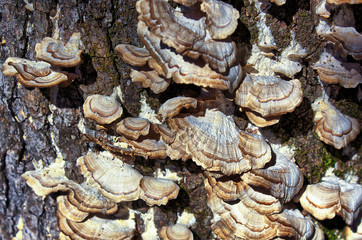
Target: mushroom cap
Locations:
point(334, 127)
point(333, 196)
point(59, 54)
point(221, 18)
point(282, 178)
point(157, 191)
point(149, 148)
point(212, 141)
point(176, 232)
point(70, 211)
point(172, 65)
point(133, 128)
point(114, 179)
point(95, 228)
point(173, 106)
point(331, 70)
point(261, 121)
point(31, 73)
point(150, 79)
point(269, 96)
point(347, 41)
point(133, 55)
point(102, 109)
point(188, 36)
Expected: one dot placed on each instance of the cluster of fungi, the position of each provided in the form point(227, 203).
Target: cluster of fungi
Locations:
point(250, 184)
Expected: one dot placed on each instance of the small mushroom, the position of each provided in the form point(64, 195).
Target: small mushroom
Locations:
point(114, 179)
point(133, 128)
point(173, 106)
point(70, 211)
point(150, 79)
point(331, 70)
point(334, 127)
point(157, 191)
point(176, 232)
point(339, 2)
point(132, 55)
point(59, 54)
point(33, 74)
point(102, 109)
point(149, 148)
point(269, 96)
point(221, 18)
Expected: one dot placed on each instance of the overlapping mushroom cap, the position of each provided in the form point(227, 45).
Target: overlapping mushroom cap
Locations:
point(59, 54)
point(173, 106)
point(333, 196)
point(133, 128)
point(266, 98)
point(188, 37)
point(213, 143)
point(331, 70)
point(334, 127)
point(33, 74)
point(102, 109)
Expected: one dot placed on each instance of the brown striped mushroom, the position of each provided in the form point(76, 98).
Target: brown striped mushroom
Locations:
point(173, 106)
point(102, 109)
point(333, 127)
point(59, 54)
point(133, 128)
point(331, 70)
point(33, 74)
point(266, 98)
point(176, 232)
point(333, 196)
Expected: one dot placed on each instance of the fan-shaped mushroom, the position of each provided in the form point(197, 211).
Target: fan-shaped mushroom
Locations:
point(331, 70)
point(212, 142)
point(150, 79)
point(113, 178)
point(95, 228)
point(333, 127)
point(269, 96)
point(133, 128)
point(59, 54)
point(157, 191)
point(133, 55)
point(33, 74)
point(176, 232)
point(338, 2)
point(333, 196)
point(102, 109)
point(173, 106)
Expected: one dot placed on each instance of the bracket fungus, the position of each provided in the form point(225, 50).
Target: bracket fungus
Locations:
point(133, 128)
point(267, 98)
point(102, 109)
point(331, 70)
point(173, 106)
point(334, 127)
point(33, 74)
point(212, 141)
point(59, 54)
point(333, 196)
point(176, 232)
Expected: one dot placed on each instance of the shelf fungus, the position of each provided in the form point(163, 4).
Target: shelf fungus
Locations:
point(102, 109)
point(331, 70)
point(173, 106)
point(266, 98)
point(212, 141)
point(347, 40)
point(115, 179)
point(338, 2)
point(95, 228)
point(333, 127)
point(333, 196)
point(182, 48)
point(176, 232)
point(133, 128)
point(59, 54)
point(33, 74)
point(157, 191)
